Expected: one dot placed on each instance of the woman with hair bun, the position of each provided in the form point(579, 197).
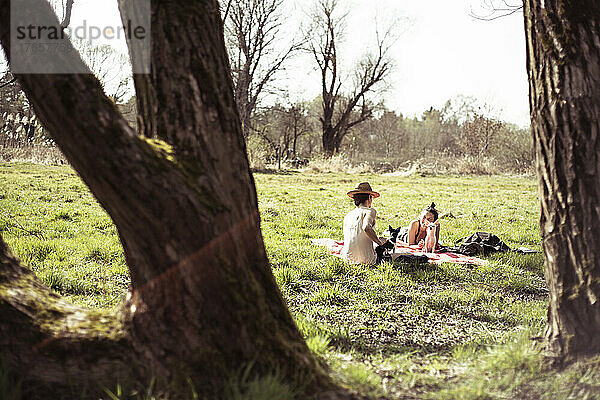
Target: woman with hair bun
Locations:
point(416, 231)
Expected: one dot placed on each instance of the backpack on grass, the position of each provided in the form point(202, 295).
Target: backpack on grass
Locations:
point(480, 243)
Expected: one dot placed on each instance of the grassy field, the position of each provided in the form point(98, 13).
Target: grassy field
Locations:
point(394, 330)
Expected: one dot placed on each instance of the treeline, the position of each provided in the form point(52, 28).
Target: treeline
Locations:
point(19, 126)
point(348, 119)
point(459, 137)
point(461, 132)
point(22, 137)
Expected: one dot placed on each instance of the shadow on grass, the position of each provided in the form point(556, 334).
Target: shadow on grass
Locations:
point(411, 267)
point(425, 272)
point(529, 262)
point(522, 292)
point(389, 349)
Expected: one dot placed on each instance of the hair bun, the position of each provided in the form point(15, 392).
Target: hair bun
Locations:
point(432, 205)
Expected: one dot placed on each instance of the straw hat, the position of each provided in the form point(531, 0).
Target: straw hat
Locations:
point(363, 187)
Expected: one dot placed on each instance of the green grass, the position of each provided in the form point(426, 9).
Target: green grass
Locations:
point(54, 225)
point(434, 331)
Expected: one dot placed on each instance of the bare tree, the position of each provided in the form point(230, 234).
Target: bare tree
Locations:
point(563, 64)
point(253, 31)
point(203, 299)
point(281, 126)
point(111, 67)
point(337, 114)
point(388, 131)
point(17, 121)
point(298, 123)
point(478, 133)
point(292, 123)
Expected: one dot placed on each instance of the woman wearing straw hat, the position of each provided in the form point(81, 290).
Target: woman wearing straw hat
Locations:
point(359, 234)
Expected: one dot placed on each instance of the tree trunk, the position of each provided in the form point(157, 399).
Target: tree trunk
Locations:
point(328, 142)
point(563, 64)
point(333, 135)
point(203, 300)
point(295, 140)
point(328, 148)
point(337, 143)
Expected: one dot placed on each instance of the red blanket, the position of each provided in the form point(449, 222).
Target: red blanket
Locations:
point(334, 248)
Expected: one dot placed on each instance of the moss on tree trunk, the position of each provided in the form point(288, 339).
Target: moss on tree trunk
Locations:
point(203, 299)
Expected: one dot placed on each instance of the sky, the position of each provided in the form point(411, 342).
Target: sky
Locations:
point(447, 52)
point(441, 52)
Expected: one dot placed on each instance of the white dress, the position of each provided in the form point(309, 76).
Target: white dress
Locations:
point(358, 248)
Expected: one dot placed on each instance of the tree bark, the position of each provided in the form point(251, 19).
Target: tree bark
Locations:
point(563, 64)
point(203, 299)
point(327, 140)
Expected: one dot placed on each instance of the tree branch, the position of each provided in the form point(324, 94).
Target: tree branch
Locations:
point(227, 10)
point(496, 12)
point(67, 14)
point(13, 80)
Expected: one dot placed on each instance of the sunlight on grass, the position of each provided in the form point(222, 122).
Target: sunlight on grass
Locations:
point(267, 387)
point(501, 369)
point(358, 376)
point(318, 344)
point(395, 329)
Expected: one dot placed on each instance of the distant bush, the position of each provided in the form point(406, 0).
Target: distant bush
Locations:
point(450, 164)
point(257, 152)
point(461, 139)
point(338, 163)
point(433, 163)
point(34, 154)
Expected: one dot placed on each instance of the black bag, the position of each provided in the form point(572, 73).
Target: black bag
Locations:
point(480, 243)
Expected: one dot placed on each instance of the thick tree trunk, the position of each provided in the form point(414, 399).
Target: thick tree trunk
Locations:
point(295, 142)
point(333, 135)
point(337, 143)
point(47, 341)
point(203, 299)
point(327, 140)
point(563, 64)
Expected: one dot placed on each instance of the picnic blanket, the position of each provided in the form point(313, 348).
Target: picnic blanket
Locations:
point(334, 247)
